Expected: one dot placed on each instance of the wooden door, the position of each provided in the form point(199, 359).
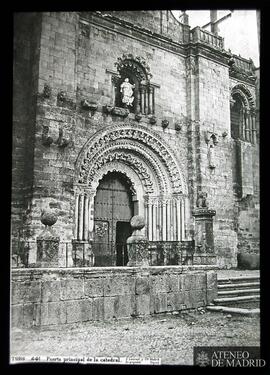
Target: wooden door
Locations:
point(113, 204)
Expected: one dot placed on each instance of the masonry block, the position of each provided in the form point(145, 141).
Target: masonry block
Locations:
point(79, 311)
point(111, 306)
point(158, 284)
point(172, 282)
point(26, 291)
point(200, 281)
point(142, 285)
point(93, 287)
point(118, 286)
point(189, 299)
point(189, 281)
point(211, 294)
point(31, 314)
point(142, 303)
point(174, 301)
point(98, 308)
point(50, 291)
point(125, 306)
point(53, 313)
point(71, 289)
point(211, 280)
point(17, 315)
point(160, 302)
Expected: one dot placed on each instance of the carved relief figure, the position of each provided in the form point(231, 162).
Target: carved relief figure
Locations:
point(126, 90)
point(211, 155)
point(201, 199)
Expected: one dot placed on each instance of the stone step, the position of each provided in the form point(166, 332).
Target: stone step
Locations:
point(234, 310)
point(237, 300)
point(238, 285)
point(237, 279)
point(238, 292)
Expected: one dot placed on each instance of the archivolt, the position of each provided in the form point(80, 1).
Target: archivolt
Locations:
point(145, 145)
point(244, 93)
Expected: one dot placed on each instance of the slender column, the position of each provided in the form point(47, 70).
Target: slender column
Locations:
point(171, 216)
point(182, 219)
point(81, 217)
point(146, 216)
point(76, 219)
point(154, 221)
point(150, 100)
point(246, 125)
point(142, 99)
point(160, 220)
point(187, 217)
point(150, 221)
point(86, 217)
point(164, 221)
point(91, 218)
point(145, 101)
point(168, 208)
point(253, 127)
point(178, 219)
point(250, 128)
point(174, 220)
point(153, 100)
point(241, 125)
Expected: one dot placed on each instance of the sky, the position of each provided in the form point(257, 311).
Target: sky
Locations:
point(239, 31)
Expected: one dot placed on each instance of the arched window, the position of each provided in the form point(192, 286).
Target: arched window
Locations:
point(135, 72)
point(243, 122)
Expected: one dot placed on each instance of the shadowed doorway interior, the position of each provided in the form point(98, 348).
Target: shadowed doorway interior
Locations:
point(113, 210)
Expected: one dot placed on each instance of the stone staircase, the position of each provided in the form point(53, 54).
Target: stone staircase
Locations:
point(239, 294)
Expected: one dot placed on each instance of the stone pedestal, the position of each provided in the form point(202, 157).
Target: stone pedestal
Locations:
point(137, 244)
point(47, 248)
point(204, 237)
point(82, 254)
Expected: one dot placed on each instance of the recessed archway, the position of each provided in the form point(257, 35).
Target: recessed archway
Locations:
point(114, 206)
point(153, 171)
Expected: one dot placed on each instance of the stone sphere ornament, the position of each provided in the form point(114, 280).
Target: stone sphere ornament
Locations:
point(137, 222)
point(48, 218)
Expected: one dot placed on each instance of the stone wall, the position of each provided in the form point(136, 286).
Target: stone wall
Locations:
point(27, 31)
point(62, 296)
point(76, 63)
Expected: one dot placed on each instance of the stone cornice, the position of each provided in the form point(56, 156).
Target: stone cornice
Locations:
point(145, 35)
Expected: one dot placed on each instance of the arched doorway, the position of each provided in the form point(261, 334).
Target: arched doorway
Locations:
point(113, 209)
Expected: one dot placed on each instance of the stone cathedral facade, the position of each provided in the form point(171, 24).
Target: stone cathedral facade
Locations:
point(124, 113)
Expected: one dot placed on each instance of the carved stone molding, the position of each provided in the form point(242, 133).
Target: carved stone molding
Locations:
point(136, 184)
point(135, 63)
point(47, 91)
point(164, 123)
point(143, 140)
point(127, 159)
point(62, 142)
point(118, 111)
point(90, 106)
point(46, 139)
point(152, 119)
point(246, 96)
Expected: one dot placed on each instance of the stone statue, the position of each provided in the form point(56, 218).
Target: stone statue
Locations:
point(201, 200)
point(211, 155)
point(126, 90)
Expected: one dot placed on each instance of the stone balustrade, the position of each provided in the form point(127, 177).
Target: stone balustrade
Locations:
point(204, 36)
